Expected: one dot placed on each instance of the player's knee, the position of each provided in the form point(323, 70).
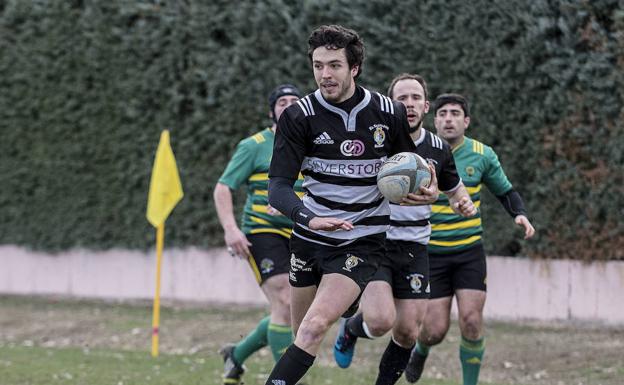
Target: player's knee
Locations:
point(283, 296)
point(312, 330)
point(380, 324)
point(279, 292)
point(471, 324)
point(405, 337)
point(433, 335)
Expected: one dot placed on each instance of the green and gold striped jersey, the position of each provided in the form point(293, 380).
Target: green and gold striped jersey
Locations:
point(477, 164)
point(250, 165)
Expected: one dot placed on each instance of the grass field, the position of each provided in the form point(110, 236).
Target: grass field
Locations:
point(53, 341)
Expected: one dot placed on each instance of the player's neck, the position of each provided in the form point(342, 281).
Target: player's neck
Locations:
point(455, 142)
point(416, 134)
point(348, 95)
point(350, 92)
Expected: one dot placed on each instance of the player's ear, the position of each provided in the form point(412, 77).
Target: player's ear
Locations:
point(354, 70)
point(467, 121)
point(427, 104)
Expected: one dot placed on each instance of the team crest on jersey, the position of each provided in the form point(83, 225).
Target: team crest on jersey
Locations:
point(351, 262)
point(470, 170)
point(352, 147)
point(379, 135)
point(267, 265)
point(415, 281)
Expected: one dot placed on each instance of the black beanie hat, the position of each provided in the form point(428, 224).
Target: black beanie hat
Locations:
point(278, 92)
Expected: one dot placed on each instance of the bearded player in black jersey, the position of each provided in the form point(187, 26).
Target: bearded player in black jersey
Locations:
point(396, 297)
point(337, 137)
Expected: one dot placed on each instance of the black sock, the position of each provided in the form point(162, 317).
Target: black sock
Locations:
point(392, 364)
point(355, 326)
point(293, 365)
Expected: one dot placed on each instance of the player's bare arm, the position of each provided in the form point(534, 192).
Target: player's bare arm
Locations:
point(461, 203)
point(235, 240)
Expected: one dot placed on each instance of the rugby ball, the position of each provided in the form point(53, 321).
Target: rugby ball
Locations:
point(401, 174)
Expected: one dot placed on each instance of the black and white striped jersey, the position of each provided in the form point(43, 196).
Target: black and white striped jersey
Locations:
point(339, 154)
point(411, 223)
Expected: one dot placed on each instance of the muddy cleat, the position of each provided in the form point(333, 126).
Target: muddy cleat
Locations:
point(344, 348)
point(232, 371)
point(415, 367)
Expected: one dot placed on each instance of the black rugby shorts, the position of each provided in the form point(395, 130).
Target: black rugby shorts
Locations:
point(358, 260)
point(406, 268)
point(462, 270)
point(270, 255)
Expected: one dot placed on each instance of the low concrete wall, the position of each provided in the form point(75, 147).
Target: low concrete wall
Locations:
point(558, 289)
point(517, 288)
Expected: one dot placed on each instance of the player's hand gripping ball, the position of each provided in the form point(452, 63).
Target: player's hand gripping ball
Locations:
point(402, 174)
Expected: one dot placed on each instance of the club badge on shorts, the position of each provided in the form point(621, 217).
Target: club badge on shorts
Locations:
point(267, 265)
point(351, 262)
point(415, 282)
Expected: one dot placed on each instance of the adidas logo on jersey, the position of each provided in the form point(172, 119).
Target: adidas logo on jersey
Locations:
point(324, 138)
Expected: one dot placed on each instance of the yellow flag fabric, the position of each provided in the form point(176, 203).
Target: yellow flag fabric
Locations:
point(165, 187)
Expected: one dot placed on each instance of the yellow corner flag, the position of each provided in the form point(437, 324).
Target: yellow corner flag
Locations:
point(164, 193)
point(165, 189)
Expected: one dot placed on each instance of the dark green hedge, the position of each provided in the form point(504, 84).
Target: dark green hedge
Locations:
point(86, 87)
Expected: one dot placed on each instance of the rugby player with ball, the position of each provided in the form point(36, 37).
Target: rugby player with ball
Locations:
point(396, 297)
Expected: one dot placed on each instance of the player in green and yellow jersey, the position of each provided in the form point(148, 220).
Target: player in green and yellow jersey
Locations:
point(263, 238)
point(456, 257)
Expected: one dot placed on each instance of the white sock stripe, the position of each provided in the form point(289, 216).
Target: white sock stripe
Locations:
point(398, 344)
point(366, 331)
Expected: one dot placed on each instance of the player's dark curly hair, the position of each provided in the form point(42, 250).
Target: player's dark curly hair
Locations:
point(337, 37)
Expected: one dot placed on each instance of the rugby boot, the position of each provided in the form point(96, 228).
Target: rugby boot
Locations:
point(415, 367)
point(344, 348)
point(232, 371)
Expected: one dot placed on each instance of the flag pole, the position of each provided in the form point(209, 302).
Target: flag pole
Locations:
point(165, 192)
point(160, 235)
